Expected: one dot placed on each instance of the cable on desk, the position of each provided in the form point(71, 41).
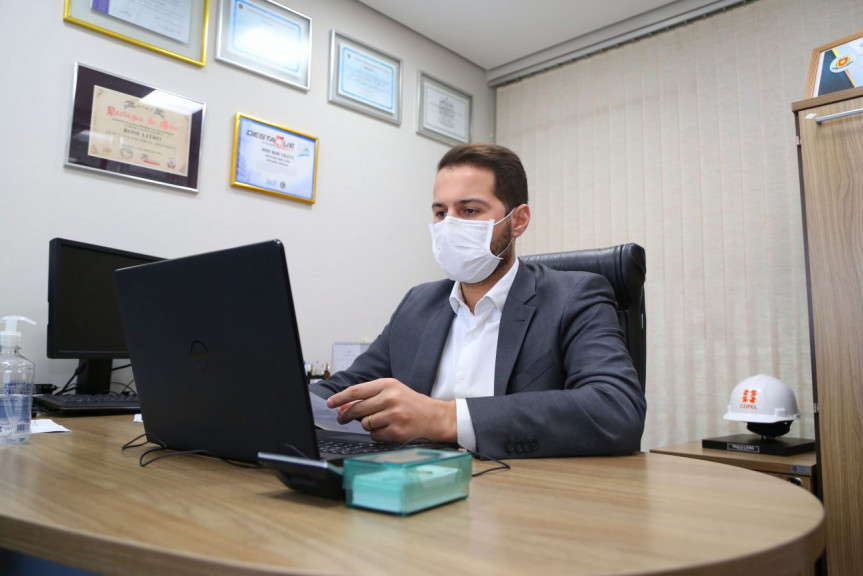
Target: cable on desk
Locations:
point(502, 465)
point(143, 463)
point(161, 446)
point(135, 439)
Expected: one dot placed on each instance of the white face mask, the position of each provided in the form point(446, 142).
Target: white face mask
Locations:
point(463, 248)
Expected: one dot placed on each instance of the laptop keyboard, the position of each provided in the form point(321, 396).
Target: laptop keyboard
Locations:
point(354, 448)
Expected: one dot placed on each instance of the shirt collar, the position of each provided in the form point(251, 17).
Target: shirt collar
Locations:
point(497, 294)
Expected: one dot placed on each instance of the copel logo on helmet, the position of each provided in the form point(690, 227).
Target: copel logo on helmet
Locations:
point(749, 399)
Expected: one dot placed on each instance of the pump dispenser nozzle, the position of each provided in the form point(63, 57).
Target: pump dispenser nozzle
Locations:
point(10, 336)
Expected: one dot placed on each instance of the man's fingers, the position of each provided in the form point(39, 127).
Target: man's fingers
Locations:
point(361, 400)
point(353, 394)
point(344, 407)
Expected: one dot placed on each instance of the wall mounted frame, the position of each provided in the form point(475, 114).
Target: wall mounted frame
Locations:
point(274, 159)
point(124, 128)
point(177, 29)
point(365, 79)
point(836, 66)
point(443, 111)
point(266, 38)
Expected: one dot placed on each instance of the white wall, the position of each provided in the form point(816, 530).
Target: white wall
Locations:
point(351, 255)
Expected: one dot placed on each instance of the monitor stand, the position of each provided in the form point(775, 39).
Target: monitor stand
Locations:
point(95, 376)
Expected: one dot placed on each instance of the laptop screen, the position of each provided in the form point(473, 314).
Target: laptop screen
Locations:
point(216, 354)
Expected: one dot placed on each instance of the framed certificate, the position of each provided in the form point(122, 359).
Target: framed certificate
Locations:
point(273, 159)
point(266, 38)
point(443, 112)
point(125, 128)
point(176, 28)
point(836, 66)
point(365, 79)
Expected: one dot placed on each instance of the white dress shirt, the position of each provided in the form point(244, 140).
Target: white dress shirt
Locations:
point(466, 368)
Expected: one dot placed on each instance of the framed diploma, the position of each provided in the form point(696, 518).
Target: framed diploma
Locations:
point(836, 66)
point(176, 28)
point(365, 79)
point(125, 128)
point(444, 112)
point(266, 38)
point(274, 159)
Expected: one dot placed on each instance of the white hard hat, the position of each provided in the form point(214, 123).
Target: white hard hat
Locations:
point(762, 399)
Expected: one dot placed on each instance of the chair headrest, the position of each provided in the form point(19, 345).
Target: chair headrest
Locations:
point(624, 266)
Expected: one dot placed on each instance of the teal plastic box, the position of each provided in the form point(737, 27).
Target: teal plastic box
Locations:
point(406, 481)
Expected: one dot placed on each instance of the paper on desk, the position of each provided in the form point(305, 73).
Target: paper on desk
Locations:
point(46, 425)
point(325, 417)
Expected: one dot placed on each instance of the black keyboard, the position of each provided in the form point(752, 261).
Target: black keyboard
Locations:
point(90, 404)
point(354, 448)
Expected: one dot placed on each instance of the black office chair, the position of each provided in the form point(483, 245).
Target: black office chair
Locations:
point(624, 266)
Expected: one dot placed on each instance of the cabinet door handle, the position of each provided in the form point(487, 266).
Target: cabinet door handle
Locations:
point(838, 115)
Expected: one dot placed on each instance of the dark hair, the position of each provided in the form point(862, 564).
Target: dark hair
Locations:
point(510, 180)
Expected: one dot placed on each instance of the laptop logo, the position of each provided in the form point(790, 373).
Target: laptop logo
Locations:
point(200, 355)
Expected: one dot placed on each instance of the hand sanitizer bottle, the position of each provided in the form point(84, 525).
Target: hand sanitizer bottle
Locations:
point(16, 393)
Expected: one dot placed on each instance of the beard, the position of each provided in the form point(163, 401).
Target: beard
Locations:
point(503, 243)
point(503, 249)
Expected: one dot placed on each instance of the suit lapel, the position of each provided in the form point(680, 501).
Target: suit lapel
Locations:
point(514, 322)
point(425, 366)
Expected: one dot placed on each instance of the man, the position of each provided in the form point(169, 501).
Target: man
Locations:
point(507, 358)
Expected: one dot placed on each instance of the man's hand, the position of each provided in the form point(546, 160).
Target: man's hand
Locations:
point(392, 412)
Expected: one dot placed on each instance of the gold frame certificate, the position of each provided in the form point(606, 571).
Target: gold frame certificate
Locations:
point(175, 28)
point(125, 128)
point(274, 160)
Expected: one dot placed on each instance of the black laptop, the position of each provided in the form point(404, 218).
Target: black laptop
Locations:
point(216, 355)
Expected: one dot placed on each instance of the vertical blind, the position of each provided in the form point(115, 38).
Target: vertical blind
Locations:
point(684, 142)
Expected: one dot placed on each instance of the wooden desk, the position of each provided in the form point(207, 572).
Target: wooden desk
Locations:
point(79, 500)
point(798, 469)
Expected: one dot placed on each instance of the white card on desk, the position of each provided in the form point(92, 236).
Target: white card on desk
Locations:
point(46, 425)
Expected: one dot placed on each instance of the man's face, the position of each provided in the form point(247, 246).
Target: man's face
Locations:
point(467, 192)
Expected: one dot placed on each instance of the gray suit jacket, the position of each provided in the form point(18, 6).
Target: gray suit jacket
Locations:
point(564, 382)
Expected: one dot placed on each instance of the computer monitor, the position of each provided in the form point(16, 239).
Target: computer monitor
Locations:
point(83, 314)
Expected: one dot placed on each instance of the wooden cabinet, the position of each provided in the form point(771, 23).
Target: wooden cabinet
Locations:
point(830, 134)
